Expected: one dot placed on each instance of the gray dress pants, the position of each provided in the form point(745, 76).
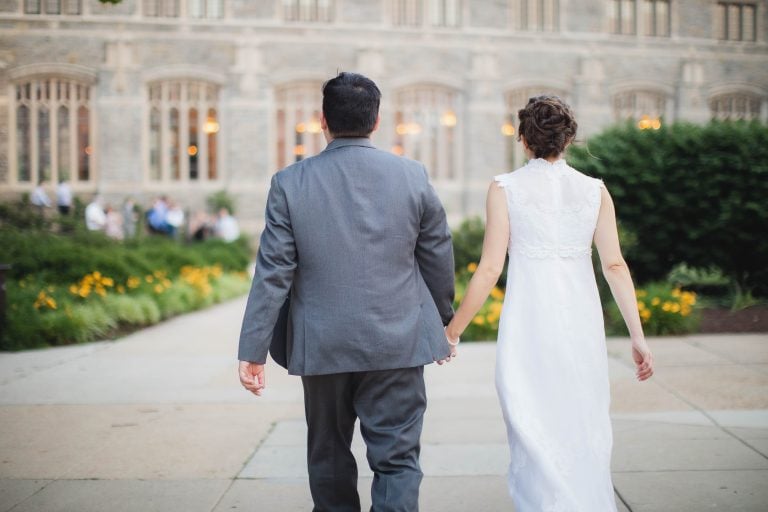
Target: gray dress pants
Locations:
point(390, 405)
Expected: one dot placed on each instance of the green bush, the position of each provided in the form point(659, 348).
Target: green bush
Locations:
point(692, 194)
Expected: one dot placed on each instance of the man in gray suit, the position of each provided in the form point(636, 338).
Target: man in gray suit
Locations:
point(357, 240)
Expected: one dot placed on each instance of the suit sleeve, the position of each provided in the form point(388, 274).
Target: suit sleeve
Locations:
point(434, 253)
point(275, 265)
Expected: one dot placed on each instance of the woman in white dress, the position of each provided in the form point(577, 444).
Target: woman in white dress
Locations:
point(551, 366)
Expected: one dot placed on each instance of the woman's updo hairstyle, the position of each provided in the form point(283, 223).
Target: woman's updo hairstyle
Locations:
point(548, 125)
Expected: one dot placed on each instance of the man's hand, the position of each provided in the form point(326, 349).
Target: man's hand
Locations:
point(252, 377)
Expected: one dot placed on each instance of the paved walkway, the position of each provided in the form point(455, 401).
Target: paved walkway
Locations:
point(158, 422)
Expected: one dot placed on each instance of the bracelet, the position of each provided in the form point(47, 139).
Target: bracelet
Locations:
point(451, 343)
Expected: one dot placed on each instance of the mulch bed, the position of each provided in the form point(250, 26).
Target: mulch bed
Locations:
point(752, 319)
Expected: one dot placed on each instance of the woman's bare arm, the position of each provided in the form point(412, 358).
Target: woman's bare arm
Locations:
point(617, 274)
point(491, 263)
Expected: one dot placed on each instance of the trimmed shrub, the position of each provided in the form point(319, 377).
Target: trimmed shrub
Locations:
point(692, 194)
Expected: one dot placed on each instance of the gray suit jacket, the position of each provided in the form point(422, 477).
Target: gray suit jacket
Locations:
point(359, 239)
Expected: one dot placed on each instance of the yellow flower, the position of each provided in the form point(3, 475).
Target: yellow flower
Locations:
point(685, 310)
point(676, 292)
point(640, 305)
point(149, 278)
point(159, 289)
point(97, 275)
point(641, 293)
point(497, 293)
point(472, 267)
point(120, 289)
point(675, 308)
point(645, 315)
point(108, 281)
point(667, 306)
point(101, 291)
point(478, 320)
point(655, 301)
point(73, 289)
point(688, 298)
point(133, 282)
point(167, 282)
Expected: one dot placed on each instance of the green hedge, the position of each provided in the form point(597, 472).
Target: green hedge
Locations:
point(690, 193)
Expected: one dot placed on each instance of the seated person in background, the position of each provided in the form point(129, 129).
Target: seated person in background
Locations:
point(200, 226)
point(157, 217)
point(95, 218)
point(113, 226)
point(174, 217)
point(39, 197)
point(226, 226)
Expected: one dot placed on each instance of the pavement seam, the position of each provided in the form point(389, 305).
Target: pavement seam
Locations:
point(695, 344)
point(625, 502)
point(31, 495)
point(660, 382)
point(245, 464)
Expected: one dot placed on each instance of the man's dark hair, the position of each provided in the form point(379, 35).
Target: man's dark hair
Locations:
point(351, 105)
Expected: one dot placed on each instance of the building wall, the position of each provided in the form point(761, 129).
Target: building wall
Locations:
point(253, 51)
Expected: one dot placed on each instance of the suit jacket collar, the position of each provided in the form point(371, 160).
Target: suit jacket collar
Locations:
point(349, 141)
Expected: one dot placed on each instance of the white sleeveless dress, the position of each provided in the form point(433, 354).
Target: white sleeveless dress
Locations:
point(551, 367)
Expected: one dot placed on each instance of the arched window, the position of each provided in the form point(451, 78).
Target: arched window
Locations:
point(735, 106)
point(407, 13)
point(299, 107)
point(307, 10)
point(539, 15)
point(161, 8)
point(437, 13)
point(183, 131)
point(647, 108)
point(71, 7)
point(53, 130)
point(427, 121)
point(206, 8)
point(515, 100)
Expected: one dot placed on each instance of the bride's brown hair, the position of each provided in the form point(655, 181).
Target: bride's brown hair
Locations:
point(547, 124)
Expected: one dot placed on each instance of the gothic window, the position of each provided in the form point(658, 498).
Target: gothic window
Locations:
point(623, 16)
point(161, 8)
point(183, 131)
point(646, 108)
point(70, 7)
point(538, 15)
point(53, 130)
point(299, 107)
point(406, 13)
point(735, 106)
point(516, 100)
point(445, 13)
point(307, 10)
point(206, 8)
point(737, 21)
point(427, 122)
point(656, 18)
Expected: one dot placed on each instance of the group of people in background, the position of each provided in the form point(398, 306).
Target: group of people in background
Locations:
point(164, 217)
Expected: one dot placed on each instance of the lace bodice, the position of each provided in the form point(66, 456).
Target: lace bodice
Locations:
point(553, 210)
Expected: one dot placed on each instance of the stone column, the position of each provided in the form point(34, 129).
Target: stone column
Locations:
point(691, 104)
point(591, 100)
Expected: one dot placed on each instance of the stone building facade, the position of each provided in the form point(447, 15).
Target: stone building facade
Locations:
point(188, 97)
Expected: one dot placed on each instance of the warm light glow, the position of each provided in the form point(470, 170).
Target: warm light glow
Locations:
point(398, 150)
point(88, 150)
point(314, 126)
point(299, 150)
point(301, 128)
point(448, 119)
point(192, 150)
point(211, 125)
point(507, 129)
point(408, 129)
point(649, 123)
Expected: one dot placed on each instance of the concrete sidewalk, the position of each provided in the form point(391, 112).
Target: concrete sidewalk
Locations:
point(158, 422)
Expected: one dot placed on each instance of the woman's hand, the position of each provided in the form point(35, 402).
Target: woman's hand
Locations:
point(643, 358)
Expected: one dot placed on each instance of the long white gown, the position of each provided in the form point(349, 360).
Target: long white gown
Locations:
point(551, 367)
